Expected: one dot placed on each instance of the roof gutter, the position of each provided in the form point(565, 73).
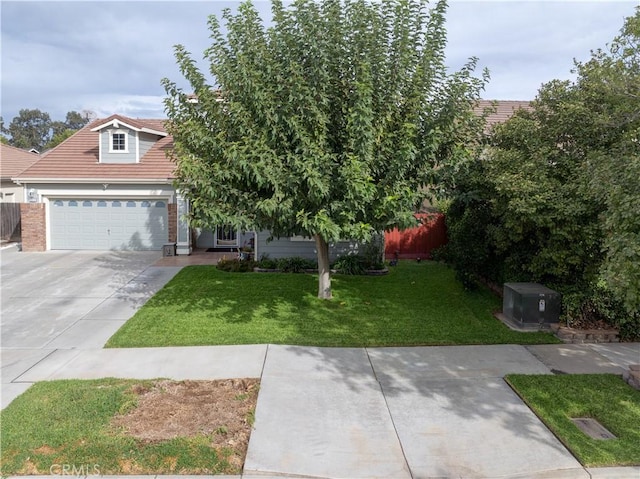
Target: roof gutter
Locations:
point(112, 181)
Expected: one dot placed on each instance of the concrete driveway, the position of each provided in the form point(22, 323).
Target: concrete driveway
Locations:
point(68, 300)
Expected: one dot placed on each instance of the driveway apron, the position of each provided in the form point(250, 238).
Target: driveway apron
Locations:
point(63, 300)
point(457, 417)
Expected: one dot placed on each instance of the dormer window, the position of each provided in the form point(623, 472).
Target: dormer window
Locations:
point(118, 142)
point(124, 140)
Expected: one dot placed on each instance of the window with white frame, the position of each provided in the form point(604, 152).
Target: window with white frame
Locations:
point(118, 141)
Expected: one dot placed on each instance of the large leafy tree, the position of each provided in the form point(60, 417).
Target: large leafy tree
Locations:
point(3, 139)
point(558, 191)
point(35, 129)
point(76, 120)
point(331, 123)
point(609, 87)
point(30, 129)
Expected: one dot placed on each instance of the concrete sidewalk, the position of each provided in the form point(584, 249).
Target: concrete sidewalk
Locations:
point(421, 412)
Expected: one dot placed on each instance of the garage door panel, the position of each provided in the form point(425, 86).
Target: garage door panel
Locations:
point(102, 243)
point(108, 224)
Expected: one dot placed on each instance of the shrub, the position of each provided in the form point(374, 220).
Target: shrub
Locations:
point(235, 265)
point(350, 264)
point(630, 328)
point(468, 251)
point(595, 305)
point(267, 263)
point(373, 252)
point(295, 264)
point(440, 253)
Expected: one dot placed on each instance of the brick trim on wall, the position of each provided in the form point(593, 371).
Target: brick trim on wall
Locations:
point(34, 226)
point(172, 211)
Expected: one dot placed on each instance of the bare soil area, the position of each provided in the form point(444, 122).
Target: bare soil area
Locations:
point(222, 410)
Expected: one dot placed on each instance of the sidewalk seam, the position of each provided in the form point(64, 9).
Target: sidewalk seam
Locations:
point(264, 361)
point(44, 346)
point(386, 404)
point(16, 380)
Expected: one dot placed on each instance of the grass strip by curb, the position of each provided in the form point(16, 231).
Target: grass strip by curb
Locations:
point(63, 428)
point(604, 397)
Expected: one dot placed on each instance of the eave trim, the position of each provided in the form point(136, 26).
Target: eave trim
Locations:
point(112, 181)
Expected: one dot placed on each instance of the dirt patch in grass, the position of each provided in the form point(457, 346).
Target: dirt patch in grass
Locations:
point(222, 410)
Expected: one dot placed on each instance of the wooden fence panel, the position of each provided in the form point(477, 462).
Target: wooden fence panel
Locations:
point(10, 221)
point(417, 242)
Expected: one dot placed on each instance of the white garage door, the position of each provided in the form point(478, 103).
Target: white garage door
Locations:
point(108, 224)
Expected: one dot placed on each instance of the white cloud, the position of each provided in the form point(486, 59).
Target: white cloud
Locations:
point(527, 43)
point(135, 106)
point(111, 56)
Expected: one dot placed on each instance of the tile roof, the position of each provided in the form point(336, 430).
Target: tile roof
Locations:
point(130, 121)
point(504, 109)
point(77, 157)
point(136, 125)
point(14, 160)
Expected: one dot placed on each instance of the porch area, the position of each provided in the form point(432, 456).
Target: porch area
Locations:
point(199, 256)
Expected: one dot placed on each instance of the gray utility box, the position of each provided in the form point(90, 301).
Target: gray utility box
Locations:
point(531, 304)
point(169, 249)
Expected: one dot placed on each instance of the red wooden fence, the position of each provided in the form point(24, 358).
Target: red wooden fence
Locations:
point(417, 242)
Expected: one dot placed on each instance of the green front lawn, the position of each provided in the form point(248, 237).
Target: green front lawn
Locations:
point(415, 304)
point(604, 397)
point(63, 428)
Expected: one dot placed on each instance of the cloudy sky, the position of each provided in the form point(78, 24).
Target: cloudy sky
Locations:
point(109, 57)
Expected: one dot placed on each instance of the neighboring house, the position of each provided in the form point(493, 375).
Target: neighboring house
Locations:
point(504, 109)
point(12, 162)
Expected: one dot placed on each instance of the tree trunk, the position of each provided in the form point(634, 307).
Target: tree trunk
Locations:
point(324, 270)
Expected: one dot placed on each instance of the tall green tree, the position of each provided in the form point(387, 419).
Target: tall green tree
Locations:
point(558, 191)
point(3, 131)
point(332, 123)
point(76, 120)
point(30, 129)
point(61, 130)
point(60, 134)
point(609, 93)
point(35, 129)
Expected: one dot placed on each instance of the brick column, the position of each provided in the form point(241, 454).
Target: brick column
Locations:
point(34, 227)
point(173, 222)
